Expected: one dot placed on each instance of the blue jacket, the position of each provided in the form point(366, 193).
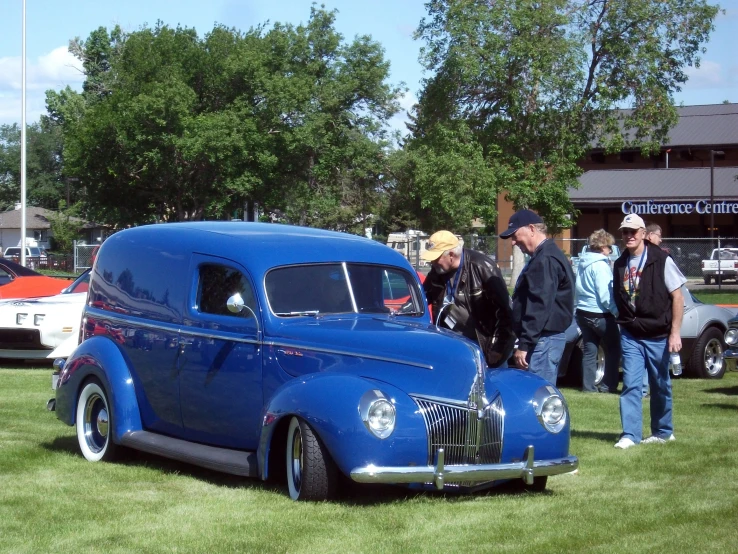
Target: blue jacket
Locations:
point(594, 284)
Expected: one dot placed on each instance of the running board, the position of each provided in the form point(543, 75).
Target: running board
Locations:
point(226, 460)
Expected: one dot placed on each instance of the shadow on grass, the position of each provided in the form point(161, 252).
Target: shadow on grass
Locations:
point(349, 493)
point(134, 458)
point(730, 391)
point(10, 363)
point(732, 407)
point(354, 494)
point(607, 437)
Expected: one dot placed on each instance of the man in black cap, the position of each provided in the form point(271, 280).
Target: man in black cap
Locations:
point(543, 301)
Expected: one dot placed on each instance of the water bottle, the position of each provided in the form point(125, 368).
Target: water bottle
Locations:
point(675, 363)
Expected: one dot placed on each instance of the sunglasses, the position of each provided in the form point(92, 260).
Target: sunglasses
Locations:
point(629, 231)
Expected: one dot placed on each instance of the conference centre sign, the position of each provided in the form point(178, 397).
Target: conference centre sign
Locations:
point(652, 207)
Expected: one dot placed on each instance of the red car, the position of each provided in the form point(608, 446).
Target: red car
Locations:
point(17, 281)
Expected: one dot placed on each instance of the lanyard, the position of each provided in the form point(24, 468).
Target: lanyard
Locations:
point(632, 278)
point(451, 289)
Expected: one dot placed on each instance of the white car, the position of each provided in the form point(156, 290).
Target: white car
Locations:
point(33, 328)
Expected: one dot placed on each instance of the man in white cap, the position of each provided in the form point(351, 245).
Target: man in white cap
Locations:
point(647, 290)
point(468, 295)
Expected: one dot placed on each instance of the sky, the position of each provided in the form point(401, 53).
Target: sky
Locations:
point(50, 24)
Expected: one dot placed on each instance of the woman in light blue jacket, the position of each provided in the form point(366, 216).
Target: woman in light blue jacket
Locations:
point(596, 311)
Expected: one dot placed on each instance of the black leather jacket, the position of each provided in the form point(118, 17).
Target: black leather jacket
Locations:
point(482, 295)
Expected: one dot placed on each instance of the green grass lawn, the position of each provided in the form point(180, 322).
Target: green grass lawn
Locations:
point(678, 497)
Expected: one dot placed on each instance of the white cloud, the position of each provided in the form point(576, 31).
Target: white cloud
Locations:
point(707, 75)
point(56, 69)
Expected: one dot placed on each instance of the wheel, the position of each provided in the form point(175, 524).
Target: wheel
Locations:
point(311, 473)
point(706, 360)
point(94, 423)
point(707, 279)
point(573, 375)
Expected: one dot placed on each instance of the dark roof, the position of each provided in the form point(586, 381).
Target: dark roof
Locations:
point(36, 218)
point(709, 125)
point(693, 183)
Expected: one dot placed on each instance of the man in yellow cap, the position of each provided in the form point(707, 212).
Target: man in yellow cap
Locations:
point(468, 295)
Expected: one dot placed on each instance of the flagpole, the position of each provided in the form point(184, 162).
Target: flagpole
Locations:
point(23, 142)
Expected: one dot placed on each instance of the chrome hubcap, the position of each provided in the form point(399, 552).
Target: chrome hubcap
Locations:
point(297, 459)
point(96, 423)
point(600, 372)
point(714, 357)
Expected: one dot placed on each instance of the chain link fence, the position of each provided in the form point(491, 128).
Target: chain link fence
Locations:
point(688, 253)
point(84, 255)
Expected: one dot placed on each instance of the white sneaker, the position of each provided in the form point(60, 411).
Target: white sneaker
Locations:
point(658, 440)
point(624, 443)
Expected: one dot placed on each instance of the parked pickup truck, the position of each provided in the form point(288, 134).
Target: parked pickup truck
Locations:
point(727, 258)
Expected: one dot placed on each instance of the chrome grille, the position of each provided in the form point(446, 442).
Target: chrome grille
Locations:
point(467, 435)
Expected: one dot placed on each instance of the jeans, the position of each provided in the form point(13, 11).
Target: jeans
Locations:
point(652, 356)
point(545, 358)
point(596, 330)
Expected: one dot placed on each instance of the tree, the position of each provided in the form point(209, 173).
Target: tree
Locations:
point(537, 82)
point(45, 184)
point(65, 226)
point(174, 127)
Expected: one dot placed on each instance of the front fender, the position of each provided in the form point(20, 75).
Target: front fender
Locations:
point(519, 390)
point(100, 357)
point(329, 403)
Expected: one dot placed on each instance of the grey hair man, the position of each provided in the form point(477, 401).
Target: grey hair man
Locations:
point(543, 301)
point(648, 295)
point(468, 295)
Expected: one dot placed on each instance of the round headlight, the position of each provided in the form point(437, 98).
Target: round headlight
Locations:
point(731, 337)
point(553, 410)
point(378, 413)
point(552, 414)
point(381, 418)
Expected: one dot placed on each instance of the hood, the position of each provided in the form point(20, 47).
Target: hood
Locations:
point(588, 258)
point(59, 299)
point(416, 357)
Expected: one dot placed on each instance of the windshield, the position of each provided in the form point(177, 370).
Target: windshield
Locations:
point(725, 255)
point(319, 289)
point(81, 284)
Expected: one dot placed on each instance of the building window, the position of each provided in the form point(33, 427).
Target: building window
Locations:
point(627, 157)
point(598, 157)
point(41, 235)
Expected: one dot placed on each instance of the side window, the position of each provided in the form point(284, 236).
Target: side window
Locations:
point(394, 285)
point(217, 284)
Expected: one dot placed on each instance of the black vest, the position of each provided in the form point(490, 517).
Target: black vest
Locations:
point(651, 317)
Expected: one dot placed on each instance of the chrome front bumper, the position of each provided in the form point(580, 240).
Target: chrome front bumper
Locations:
point(731, 357)
point(527, 470)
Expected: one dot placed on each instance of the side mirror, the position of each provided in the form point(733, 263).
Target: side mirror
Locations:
point(235, 304)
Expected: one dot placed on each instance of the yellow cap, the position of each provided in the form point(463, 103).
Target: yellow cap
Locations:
point(438, 243)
